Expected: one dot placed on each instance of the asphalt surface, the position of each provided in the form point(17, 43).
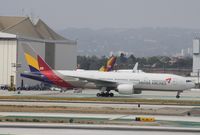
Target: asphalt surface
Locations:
point(90, 104)
point(61, 129)
point(105, 116)
point(193, 94)
point(48, 129)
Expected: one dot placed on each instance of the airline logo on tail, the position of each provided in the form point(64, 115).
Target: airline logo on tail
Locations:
point(32, 63)
point(38, 66)
point(109, 65)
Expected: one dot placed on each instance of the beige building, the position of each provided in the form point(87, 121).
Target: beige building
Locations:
point(59, 52)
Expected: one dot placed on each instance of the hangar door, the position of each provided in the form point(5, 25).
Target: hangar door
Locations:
point(8, 48)
point(50, 54)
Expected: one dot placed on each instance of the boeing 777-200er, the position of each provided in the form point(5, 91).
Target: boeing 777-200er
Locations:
point(122, 82)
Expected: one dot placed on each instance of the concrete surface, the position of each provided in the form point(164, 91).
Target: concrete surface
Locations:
point(75, 129)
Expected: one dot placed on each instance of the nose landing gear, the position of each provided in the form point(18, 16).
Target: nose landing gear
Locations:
point(178, 94)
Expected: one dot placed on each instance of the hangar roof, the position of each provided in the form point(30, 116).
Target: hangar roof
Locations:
point(23, 26)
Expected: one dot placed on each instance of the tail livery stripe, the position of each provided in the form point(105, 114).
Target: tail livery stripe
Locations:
point(32, 62)
point(38, 66)
point(46, 70)
point(111, 63)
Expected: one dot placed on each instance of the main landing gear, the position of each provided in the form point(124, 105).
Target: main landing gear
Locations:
point(105, 94)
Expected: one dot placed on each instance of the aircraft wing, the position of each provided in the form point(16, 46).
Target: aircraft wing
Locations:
point(98, 82)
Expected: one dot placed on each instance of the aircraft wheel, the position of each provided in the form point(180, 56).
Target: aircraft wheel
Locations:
point(107, 94)
point(111, 94)
point(177, 96)
point(103, 94)
point(98, 95)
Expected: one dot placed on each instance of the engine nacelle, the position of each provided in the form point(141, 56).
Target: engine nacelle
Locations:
point(127, 89)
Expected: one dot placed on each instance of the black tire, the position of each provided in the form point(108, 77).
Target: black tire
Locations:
point(103, 94)
point(98, 94)
point(177, 96)
point(111, 94)
point(107, 94)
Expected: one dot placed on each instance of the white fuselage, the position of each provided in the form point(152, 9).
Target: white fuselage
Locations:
point(141, 81)
point(128, 71)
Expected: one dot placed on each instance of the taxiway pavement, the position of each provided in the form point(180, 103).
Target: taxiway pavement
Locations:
point(193, 94)
point(76, 129)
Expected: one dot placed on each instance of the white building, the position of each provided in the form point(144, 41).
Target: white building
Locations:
point(59, 53)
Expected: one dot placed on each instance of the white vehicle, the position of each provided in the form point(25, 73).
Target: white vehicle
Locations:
point(122, 82)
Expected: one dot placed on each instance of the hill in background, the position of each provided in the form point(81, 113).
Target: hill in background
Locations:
point(140, 42)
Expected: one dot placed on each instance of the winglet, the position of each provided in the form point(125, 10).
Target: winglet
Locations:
point(135, 68)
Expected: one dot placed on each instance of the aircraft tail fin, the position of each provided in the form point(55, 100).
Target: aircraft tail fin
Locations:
point(38, 66)
point(109, 65)
point(34, 61)
point(103, 69)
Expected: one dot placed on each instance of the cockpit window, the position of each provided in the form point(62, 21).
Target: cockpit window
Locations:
point(188, 80)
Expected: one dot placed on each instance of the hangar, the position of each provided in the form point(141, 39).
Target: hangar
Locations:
point(59, 52)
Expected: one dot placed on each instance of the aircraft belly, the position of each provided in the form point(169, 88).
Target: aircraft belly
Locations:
point(156, 87)
point(90, 86)
point(82, 84)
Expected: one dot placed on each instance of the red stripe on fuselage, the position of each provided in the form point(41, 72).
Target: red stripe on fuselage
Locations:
point(47, 71)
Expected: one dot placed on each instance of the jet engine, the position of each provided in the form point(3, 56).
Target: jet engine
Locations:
point(127, 89)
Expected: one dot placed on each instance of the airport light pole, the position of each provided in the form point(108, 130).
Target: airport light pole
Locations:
point(198, 77)
point(13, 65)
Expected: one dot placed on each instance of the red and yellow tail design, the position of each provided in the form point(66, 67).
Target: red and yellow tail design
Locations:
point(109, 65)
point(38, 66)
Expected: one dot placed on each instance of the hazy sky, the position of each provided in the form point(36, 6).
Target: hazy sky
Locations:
point(61, 14)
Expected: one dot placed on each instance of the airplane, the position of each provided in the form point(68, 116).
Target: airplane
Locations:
point(122, 82)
